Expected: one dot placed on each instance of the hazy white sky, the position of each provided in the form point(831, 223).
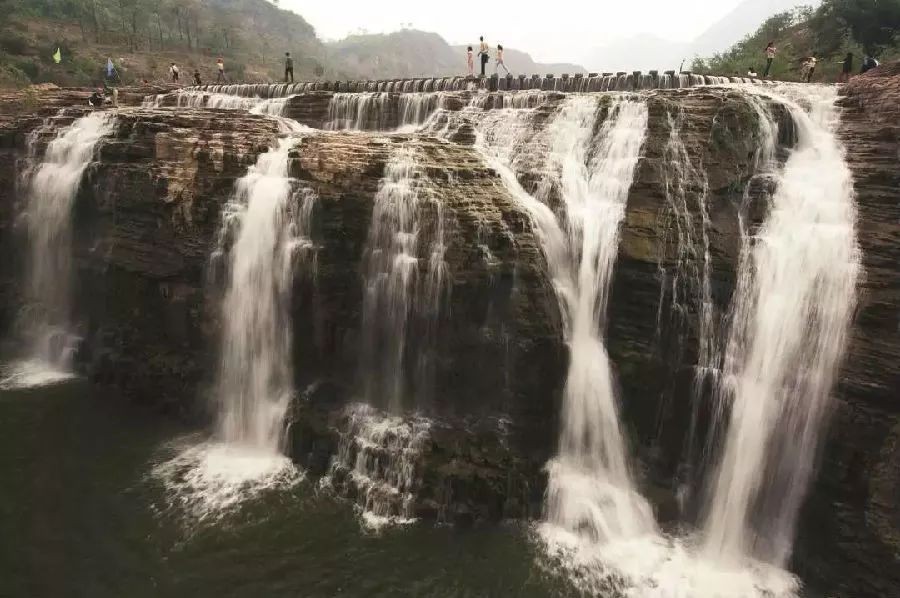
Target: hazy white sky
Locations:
point(551, 30)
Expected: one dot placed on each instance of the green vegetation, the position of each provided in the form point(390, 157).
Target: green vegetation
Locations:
point(863, 27)
point(144, 36)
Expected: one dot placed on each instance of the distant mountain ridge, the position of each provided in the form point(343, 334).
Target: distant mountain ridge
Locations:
point(645, 51)
point(413, 53)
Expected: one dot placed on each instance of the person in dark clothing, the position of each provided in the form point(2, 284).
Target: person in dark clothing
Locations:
point(288, 67)
point(868, 64)
point(483, 54)
point(846, 68)
point(197, 81)
point(96, 99)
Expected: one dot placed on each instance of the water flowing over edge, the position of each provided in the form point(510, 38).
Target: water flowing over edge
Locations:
point(790, 319)
point(45, 321)
point(266, 236)
point(647, 564)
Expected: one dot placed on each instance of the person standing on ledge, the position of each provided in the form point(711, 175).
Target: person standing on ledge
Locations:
point(483, 53)
point(470, 61)
point(288, 67)
point(810, 68)
point(770, 56)
point(197, 81)
point(173, 71)
point(500, 60)
point(846, 68)
point(220, 65)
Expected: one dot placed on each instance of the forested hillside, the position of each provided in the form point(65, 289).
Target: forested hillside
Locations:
point(836, 27)
point(143, 36)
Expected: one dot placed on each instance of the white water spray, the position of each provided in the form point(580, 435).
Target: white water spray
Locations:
point(790, 329)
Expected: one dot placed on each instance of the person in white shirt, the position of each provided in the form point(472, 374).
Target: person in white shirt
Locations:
point(470, 61)
point(173, 71)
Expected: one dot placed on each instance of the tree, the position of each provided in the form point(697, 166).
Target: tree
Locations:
point(873, 24)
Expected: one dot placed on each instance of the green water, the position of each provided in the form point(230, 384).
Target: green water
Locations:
point(81, 516)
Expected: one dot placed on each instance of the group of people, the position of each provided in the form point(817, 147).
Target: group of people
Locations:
point(484, 56)
point(175, 73)
point(808, 66)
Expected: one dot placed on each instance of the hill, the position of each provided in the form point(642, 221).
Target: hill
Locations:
point(143, 36)
point(413, 53)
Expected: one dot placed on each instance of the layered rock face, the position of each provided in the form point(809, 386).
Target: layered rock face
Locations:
point(488, 397)
point(854, 511)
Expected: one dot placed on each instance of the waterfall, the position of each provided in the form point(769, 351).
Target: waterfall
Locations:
point(590, 489)
point(795, 300)
point(395, 293)
point(255, 375)
point(51, 190)
point(590, 493)
point(266, 236)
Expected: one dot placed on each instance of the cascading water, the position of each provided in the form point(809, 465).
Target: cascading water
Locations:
point(255, 379)
point(51, 191)
point(220, 101)
point(790, 319)
point(358, 111)
point(379, 461)
point(268, 221)
point(381, 111)
point(396, 292)
point(590, 493)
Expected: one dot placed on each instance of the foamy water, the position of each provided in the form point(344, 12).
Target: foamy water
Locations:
point(207, 480)
point(32, 373)
point(656, 566)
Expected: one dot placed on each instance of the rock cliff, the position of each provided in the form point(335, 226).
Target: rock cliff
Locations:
point(147, 220)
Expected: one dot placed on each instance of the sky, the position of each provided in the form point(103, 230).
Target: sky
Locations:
point(551, 30)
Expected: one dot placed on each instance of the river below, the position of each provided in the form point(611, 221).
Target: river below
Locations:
point(82, 515)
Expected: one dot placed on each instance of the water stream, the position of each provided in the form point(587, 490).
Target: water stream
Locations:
point(266, 237)
point(46, 320)
point(795, 299)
